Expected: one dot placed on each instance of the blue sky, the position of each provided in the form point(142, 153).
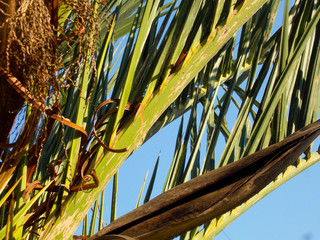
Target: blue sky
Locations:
point(291, 212)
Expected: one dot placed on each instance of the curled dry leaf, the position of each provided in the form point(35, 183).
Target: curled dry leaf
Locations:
point(28, 190)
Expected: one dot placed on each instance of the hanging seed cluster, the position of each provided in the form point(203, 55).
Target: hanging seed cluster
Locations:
point(45, 57)
point(30, 52)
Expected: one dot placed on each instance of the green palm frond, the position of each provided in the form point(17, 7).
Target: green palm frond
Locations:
point(119, 71)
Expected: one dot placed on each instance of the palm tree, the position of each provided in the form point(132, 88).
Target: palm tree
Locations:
point(94, 80)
